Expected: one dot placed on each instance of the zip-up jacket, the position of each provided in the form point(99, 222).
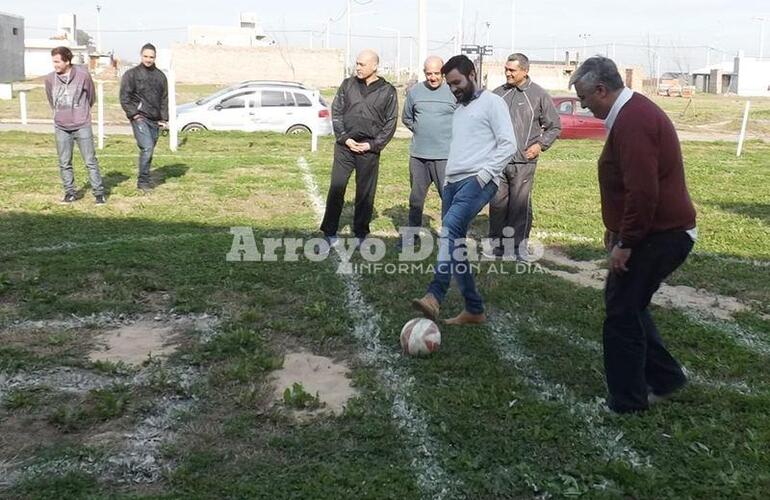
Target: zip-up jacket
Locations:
point(144, 91)
point(365, 113)
point(71, 98)
point(534, 117)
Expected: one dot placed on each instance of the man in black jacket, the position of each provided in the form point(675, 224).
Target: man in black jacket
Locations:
point(537, 125)
point(144, 98)
point(364, 115)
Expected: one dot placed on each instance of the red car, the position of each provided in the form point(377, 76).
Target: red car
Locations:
point(577, 122)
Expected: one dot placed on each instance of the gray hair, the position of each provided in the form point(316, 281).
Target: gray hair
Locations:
point(596, 70)
point(521, 59)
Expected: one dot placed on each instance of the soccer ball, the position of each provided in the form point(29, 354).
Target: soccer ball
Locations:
point(420, 336)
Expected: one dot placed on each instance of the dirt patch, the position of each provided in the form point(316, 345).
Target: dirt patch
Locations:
point(591, 275)
point(133, 344)
point(318, 375)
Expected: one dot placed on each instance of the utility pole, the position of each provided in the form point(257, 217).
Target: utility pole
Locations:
point(422, 33)
point(513, 26)
point(762, 21)
point(459, 41)
point(98, 30)
point(584, 37)
point(398, 51)
point(347, 43)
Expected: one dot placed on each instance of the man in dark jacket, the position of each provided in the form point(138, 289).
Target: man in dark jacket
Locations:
point(364, 114)
point(537, 125)
point(144, 98)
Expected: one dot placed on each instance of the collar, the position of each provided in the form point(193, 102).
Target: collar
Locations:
point(525, 85)
point(624, 96)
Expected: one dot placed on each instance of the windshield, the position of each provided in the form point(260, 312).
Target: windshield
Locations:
point(218, 93)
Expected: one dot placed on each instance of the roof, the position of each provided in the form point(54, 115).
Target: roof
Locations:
point(724, 67)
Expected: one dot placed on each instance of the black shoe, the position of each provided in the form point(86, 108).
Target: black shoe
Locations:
point(100, 199)
point(69, 198)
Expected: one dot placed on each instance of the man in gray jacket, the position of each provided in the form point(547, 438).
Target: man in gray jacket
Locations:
point(428, 111)
point(537, 125)
point(144, 98)
point(70, 93)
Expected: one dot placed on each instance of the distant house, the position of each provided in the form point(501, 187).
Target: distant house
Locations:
point(11, 48)
point(744, 76)
point(37, 51)
point(248, 33)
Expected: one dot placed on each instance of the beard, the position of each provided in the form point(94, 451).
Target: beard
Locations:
point(465, 96)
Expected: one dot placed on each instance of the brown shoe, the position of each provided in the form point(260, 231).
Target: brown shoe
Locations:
point(428, 305)
point(466, 318)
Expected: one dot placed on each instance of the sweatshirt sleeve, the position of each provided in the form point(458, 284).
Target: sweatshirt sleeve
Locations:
point(505, 141)
point(126, 90)
point(49, 91)
point(549, 121)
point(164, 100)
point(407, 117)
point(385, 134)
point(338, 111)
point(88, 85)
point(637, 153)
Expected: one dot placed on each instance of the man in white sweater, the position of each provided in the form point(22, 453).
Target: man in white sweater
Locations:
point(482, 145)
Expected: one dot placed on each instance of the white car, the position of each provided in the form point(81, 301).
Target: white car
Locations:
point(258, 106)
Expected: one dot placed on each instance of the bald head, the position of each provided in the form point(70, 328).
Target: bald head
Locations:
point(366, 65)
point(432, 70)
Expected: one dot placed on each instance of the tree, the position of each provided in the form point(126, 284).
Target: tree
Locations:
point(83, 38)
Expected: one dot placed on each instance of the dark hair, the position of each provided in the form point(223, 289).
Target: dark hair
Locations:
point(596, 70)
point(148, 46)
point(521, 59)
point(461, 63)
point(63, 52)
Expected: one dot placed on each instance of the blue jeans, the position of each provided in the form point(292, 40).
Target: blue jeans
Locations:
point(461, 202)
point(65, 143)
point(146, 135)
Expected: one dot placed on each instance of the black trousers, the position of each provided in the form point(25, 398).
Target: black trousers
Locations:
point(512, 205)
point(635, 358)
point(366, 166)
point(423, 173)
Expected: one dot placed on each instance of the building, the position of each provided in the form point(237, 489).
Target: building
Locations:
point(744, 76)
point(11, 48)
point(248, 33)
point(37, 51)
point(716, 78)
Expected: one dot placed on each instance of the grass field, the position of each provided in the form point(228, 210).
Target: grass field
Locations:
point(509, 410)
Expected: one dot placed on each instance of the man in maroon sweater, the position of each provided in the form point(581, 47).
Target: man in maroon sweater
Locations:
point(650, 223)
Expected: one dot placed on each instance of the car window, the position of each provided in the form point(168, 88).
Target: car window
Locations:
point(236, 101)
point(565, 108)
point(302, 100)
point(272, 98)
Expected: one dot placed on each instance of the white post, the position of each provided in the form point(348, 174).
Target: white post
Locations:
point(173, 135)
point(100, 114)
point(23, 106)
point(743, 128)
point(398, 57)
point(459, 43)
point(422, 33)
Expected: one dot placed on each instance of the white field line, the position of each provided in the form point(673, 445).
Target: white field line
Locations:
point(608, 440)
point(69, 245)
point(432, 479)
point(594, 347)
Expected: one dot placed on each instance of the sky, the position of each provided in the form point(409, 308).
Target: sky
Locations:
point(679, 32)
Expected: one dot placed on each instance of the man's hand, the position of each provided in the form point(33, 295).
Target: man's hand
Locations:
point(357, 147)
point(163, 124)
point(534, 151)
point(618, 259)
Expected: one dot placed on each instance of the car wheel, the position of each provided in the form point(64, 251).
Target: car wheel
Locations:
point(298, 129)
point(193, 127)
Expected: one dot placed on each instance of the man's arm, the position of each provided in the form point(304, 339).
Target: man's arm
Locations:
point(49, 91)
point(126, 91)
point(385, 134)
point(407, 116)
point(500, 121)
point(637, 155)
point(338, 110)
point(164, 100)
point(549, 121)
point(89, 87)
